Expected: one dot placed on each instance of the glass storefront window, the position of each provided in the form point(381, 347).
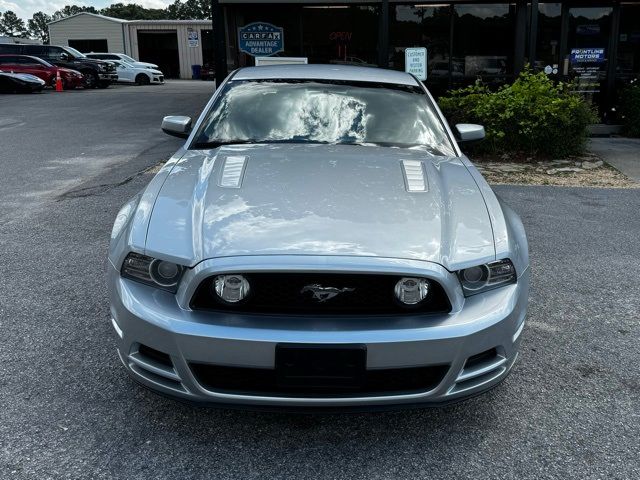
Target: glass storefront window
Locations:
point(484, 39)
point(341, 34)
point(548, 44)
point(588, 51)
point(628, 66)
point(422, 26)
point(283, 16)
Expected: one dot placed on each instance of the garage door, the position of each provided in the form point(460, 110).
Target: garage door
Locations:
point(161, 48)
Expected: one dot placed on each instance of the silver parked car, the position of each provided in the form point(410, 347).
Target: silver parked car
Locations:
point(319, 241)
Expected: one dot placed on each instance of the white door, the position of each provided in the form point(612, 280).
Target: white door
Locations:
point(125, 74)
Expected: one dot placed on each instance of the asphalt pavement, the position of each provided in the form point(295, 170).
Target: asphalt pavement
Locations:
point(569, 409)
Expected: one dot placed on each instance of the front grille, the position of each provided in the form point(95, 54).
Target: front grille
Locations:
point(283, 293)
point(262, 381)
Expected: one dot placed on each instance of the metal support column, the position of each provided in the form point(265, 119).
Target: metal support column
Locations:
point(533, 33)
point(612, 60)
point(383, 43)
point(520, 36)
point(220, 42)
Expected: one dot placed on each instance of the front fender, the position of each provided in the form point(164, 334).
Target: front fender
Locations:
point(509, 236)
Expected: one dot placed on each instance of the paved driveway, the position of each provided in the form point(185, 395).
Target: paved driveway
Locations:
point(570, 409)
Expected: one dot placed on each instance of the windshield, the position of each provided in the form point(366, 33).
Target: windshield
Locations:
point(41, 61)
point(74, 52)
point(127, 58)
point(323, 112)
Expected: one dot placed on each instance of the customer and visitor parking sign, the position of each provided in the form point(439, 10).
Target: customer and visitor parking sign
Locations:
point(260, 39)
point(415, 62)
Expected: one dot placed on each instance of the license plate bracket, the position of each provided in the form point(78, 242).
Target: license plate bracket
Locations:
point(320, 367)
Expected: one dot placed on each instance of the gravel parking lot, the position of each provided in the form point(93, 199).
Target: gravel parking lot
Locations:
point(570, 408)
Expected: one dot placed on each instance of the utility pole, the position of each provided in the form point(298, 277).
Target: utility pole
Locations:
point(219, 41)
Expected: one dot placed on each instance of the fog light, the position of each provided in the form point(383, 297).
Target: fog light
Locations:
point(231, 288)
point(411, 291)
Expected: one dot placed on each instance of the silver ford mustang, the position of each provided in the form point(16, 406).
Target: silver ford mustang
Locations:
point(318, 241)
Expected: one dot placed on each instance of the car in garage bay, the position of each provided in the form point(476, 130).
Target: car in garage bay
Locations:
point(41, 69)
point(128, 73)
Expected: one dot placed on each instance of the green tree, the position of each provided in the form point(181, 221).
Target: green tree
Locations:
point(190, 10)
point(69, 10)
point(38, 27)
point(12, 26)
point(133, 11)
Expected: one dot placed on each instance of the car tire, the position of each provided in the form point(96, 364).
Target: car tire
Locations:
point(104, 84)
point(142, 79)
point(90, 79)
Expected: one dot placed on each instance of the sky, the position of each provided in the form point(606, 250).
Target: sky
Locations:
point(26, 8)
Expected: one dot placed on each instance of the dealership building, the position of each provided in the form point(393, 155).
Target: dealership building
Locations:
point(595, 43)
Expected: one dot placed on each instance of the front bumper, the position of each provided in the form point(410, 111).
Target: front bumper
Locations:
point(111, 77)
point(148, 317)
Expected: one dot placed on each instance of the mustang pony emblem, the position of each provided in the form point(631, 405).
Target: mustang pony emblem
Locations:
point(322, 294)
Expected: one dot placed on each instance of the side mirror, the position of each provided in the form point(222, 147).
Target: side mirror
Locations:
point(177, 126)
point(469, 132)
point(64, 56)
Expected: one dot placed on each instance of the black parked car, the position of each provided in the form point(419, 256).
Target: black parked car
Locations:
point(97, 73)
point(20, 83)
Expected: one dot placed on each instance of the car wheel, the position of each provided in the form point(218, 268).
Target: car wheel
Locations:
point(90, 79)
point(142, 79)
point(104, 84)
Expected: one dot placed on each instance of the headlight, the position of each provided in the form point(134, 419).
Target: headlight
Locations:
point(411, 291)
point(123, 216)
point(154, 272)
point(486, 277)
point(231, 288)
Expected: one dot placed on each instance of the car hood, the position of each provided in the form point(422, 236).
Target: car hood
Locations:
point(319, 200)
point(68, 70)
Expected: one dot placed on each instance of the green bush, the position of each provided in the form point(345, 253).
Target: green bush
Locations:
point(533, 116)
point(631, 110)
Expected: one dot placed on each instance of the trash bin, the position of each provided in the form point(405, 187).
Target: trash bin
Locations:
point(195, 71)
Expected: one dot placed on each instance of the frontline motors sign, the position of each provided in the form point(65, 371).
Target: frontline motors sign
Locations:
point(260, 39)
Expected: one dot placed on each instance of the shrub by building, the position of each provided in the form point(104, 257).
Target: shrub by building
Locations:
point(533, 116)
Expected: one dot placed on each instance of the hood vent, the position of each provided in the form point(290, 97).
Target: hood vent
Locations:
point(415, 177)
point(233, 171)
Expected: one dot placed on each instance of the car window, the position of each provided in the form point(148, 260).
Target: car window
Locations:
point(323, 112)
point(7, 60)
point(35, 50)
point(8, 48)
point(54, 52)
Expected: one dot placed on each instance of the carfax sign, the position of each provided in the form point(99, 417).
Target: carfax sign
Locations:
point(415, 62)
point(260, 39)
point(587, 55)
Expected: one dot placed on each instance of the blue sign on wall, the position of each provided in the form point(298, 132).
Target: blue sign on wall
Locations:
point(260, 39)
point(587, 55)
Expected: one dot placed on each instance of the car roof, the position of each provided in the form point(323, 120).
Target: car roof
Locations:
point(325, 72)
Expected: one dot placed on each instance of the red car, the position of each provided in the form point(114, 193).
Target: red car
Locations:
point(41, 69)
